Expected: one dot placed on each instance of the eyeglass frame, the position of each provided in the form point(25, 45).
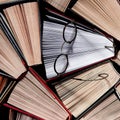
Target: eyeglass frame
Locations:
point(66, 55)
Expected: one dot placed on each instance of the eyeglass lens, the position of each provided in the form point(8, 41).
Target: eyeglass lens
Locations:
point(69, 32)
point(61, 64)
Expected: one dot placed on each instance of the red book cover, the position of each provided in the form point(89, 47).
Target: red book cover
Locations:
point(47, 91)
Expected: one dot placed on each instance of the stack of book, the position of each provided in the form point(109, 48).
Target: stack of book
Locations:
point(77, 74)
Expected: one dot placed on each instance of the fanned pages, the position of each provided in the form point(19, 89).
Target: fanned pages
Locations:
point(10, 62)
point(59, 4)
point(80, 92)
point(102, 13)
point(67, 47)
point(109, 109)
point(25, 23)
point(31, 96)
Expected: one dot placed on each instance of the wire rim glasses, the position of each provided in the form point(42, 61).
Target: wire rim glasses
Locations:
point(69, 34)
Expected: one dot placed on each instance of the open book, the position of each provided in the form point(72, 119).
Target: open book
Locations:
point(102, 13)
point(22, 28)
point(80, 91)
point(33, 96)
point(67, 46)
point(24, 21)
point(31, 92)
point(109, 109)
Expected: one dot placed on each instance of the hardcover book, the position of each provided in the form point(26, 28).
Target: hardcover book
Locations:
point(109, 109)
point(67, 46)
point(102, 13)
point(80, 91)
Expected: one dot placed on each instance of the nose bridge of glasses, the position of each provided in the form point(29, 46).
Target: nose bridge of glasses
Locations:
point(67, 48)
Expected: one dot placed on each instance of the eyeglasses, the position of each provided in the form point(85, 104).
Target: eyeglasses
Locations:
point(61, 62)
point(69, 34)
